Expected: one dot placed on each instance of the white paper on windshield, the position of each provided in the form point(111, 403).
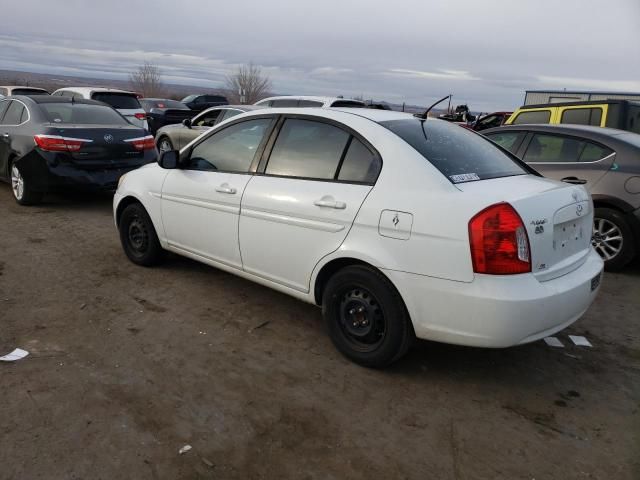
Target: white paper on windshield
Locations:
point(17, 354)
point(553, 342)
point(580, 341)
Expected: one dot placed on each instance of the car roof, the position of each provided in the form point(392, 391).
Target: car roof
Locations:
point(576, 103)
point(11, 87)
point(316, 98)
point(244, 108)
point(90, 90)
point(40, 99)
point(586, 130)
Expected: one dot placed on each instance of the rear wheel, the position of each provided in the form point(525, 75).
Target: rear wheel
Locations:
point(138, 236)
point(366, 317)
point(21, 189)
point(612, 238)
point(165, 145)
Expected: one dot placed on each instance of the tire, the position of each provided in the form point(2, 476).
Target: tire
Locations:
point(164, 144)
point(366, 317)
point(613, 238)
point(21, 189)
point(138, 236)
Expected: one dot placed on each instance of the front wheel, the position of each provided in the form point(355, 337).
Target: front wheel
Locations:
point(138, 236)
point(612, 238)
point(366, 317)
point(21, 189)
point(165, 145)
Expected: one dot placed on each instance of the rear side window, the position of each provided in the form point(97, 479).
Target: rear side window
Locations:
point(592, 152)
point(13, 114)
point(308, 149)
point(309, 103)
point(3, 106)
point(81, 114)
point(460, 155)
point(582, 116)
point(359, 164)
point(28, 91)
point(348, 104)
point(215, 99)
point(538, 116)
point(284, 103)
point(123, 101)
point(508, 140)
point(231, 149)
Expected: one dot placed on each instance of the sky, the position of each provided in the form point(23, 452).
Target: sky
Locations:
point(486, 53)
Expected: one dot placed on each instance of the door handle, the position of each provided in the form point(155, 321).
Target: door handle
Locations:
point(574, 180)
point(225, 188)
point(328, 202)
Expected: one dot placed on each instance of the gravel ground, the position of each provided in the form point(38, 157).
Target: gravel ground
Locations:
point(129, 364)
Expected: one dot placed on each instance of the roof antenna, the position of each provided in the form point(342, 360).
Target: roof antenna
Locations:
point(425, 115)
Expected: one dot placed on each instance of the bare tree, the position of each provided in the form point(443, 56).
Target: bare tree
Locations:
point(147, 80)
point(247, 84)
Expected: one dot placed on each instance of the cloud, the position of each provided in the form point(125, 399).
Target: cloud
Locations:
point(439, 74)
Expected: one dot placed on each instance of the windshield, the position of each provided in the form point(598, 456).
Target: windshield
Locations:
point(149, 104)
point(459, 154)
point(28, 91)
point(125, 101)
point(82, 114)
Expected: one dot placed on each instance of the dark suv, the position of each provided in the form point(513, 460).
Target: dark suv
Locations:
point(605, 160)
point(202, 102)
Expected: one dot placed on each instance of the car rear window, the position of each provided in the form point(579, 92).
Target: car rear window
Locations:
point(28, 91)
point(83, 114)
point(125, 101)
point(460, 155)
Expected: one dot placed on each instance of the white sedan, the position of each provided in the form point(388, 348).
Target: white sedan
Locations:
point(398, 227)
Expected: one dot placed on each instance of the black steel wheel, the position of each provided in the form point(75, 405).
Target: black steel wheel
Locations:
point(138, 236)
point(366, 317)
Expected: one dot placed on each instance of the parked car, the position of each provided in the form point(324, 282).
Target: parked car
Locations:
point(56, 143)
point(491, 120)
point(162, 111)
point(310, 101)
point(398, 227)
point(125, 102)
point(621, 114)
point(12, 90)
point(202, 102)
point(174, 137)
point(605, 160)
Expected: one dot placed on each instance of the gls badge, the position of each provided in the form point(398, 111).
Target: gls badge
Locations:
point(539, 225)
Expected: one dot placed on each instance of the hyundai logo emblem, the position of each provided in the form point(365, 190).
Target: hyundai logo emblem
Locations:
point(108, 138)
point(579, 210)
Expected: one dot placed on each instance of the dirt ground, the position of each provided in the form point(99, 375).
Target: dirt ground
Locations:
point(129, 364)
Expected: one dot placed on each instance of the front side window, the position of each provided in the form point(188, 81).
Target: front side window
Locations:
point(124, 101)
point(537, 116)
point(3, 107)
point(232, 149)
point(13, 114)
point(508, 140)
point(582, 116)
point(285, 102)
point(308, 149)
point(553, 148)
point(206, 119)
point(459, 154)
point(490, 121)
point(81, 114)
point(230, 113)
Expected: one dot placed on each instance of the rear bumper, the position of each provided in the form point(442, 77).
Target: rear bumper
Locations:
point(497, 311)
point(50, 175)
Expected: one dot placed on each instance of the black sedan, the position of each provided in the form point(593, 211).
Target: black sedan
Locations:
point(202, 102)
point(58, 143)
point(162, 111)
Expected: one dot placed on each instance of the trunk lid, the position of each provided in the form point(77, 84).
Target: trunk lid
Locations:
point(558, 218)
point(107, 147)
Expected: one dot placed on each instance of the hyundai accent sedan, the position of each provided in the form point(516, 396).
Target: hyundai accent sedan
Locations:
point(398, 227)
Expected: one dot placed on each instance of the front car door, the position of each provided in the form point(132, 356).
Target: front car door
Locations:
point(567, 158)
point(201, 200)
point(302, 202)
point(14, 115)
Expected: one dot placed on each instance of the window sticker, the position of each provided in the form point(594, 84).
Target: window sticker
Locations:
point(464, 177)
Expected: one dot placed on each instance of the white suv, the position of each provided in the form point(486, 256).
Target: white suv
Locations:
point(291, 101)
point(123, 101)
point(397, 226)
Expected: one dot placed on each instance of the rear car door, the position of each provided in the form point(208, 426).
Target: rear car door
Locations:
point(567, 158)
point(302, 202)
point(4, 144)
point(14, 115)
point(201, 200)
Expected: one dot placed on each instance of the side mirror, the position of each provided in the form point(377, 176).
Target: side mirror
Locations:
point(187, 122)
point(169, 159)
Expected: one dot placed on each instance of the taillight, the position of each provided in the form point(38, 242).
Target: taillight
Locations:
point(56, 143)
point(142, 143)
point(499, 241)
point(140, 116)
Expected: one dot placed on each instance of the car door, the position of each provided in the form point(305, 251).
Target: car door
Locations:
point(302, 202)
point(201, 200)
point(199, 125)
point(5, 147)
point(567, 158)
point(14, 115)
